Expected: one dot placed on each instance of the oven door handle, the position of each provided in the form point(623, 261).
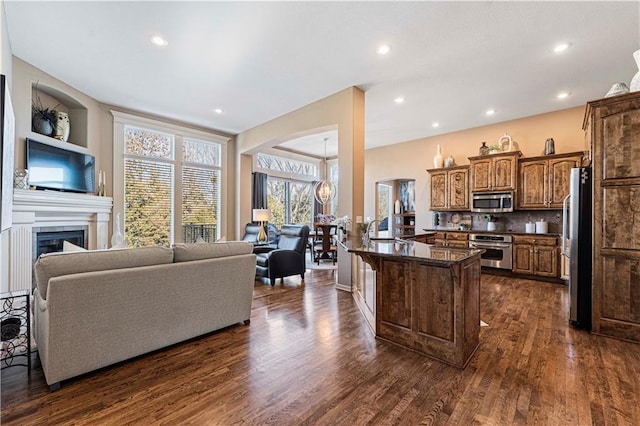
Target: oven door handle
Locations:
point(489, 245)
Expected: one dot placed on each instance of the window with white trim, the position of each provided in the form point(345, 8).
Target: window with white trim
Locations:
point(289, 188)
point(171, 182)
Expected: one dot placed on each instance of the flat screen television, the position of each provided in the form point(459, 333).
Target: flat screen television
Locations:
point(51, 167)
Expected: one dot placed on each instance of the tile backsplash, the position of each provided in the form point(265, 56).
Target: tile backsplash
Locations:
point(508, 222)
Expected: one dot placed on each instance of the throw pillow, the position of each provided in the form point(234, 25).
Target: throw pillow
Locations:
point(222, 239)
point(68, 247)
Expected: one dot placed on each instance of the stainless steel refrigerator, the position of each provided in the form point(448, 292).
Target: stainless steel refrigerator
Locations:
point(576, 238)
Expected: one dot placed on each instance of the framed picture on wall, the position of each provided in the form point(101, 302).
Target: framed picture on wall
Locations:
point(7, 133)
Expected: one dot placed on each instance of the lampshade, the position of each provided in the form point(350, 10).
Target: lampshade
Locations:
point(261, 215)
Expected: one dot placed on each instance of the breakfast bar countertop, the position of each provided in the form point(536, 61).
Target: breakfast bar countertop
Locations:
point(409, 250)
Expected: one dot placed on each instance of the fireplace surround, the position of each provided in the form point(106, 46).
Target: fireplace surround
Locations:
point(35, 211)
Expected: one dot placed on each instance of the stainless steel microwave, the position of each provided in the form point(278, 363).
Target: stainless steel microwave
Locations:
point(492, 202)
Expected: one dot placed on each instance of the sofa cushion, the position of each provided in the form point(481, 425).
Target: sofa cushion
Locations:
point(57, 264)
point(189, 252)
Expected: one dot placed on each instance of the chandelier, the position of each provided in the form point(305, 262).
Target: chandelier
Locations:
point(324, 191)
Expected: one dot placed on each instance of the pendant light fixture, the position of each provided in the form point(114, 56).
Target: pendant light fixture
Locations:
point(324, 191)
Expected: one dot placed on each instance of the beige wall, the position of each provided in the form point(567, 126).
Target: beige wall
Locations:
point(100, 128)
point(410, 160)
point(343, 111)
point(24, 75)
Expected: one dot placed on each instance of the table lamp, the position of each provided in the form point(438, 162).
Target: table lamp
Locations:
point(262, 216)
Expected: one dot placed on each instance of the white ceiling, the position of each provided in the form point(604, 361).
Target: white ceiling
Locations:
point(451, 61)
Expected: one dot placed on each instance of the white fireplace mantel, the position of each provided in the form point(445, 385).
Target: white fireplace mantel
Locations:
point(37, 209)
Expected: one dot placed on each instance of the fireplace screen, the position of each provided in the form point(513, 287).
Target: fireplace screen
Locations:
point(50, 240)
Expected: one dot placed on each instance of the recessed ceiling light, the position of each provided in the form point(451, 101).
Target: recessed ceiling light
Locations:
point(383, 49)
point(563, 95)
point(491, 111)
point(399, 100)
point(435, 124)
point(218, 111)
point(561, 47)
point(159, 40)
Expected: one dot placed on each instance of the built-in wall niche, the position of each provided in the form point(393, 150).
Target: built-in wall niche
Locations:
point(54, 99)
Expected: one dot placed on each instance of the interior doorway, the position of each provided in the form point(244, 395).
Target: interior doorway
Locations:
point(384, 208)
point(391, 195)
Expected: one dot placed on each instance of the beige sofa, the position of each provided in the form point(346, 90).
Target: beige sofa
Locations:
point(97, 308)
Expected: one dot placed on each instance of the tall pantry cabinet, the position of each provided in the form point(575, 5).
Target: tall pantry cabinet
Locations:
point(612, 127)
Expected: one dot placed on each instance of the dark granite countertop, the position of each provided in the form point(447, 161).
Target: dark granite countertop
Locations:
point(409, 249)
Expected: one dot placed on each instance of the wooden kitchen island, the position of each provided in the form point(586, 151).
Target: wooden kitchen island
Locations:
point(427, 297)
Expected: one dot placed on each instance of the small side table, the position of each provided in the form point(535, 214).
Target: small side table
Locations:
point(15, 324)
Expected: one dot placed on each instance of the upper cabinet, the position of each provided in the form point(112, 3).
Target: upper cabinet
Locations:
point(543, 182)
point(494, 172)
point(450, 188)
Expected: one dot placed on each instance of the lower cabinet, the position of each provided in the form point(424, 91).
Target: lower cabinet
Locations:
point(536, 255)
point(423, 238)
point(452, 239)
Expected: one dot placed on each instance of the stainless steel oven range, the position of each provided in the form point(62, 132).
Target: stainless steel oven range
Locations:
point(498, 249)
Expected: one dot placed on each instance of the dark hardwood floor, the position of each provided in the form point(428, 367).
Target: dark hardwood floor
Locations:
point(308, 357)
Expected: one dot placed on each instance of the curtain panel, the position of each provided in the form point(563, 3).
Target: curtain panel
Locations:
point(259, 191)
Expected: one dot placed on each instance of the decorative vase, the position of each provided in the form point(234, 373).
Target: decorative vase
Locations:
point(484, 149)
point(491, 226)
point(635, 81)
point(62, 126)
point(450, 161)
point(117, 237)
point(438, 161)
point(617, 89)
point(40, 125)
point(505, 138)
point(549, 147)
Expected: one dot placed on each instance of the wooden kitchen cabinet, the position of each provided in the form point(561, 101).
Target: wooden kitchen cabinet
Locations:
point(423, 238)
point(494, 172)
point(452, 239)
point(536, 255)
point(612, 127)
point(450, 189)
point(543, 182)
